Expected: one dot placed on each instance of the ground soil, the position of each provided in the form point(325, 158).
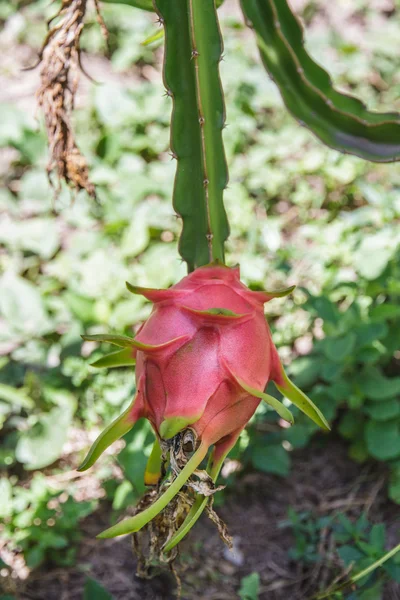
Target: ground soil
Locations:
point(323, 481)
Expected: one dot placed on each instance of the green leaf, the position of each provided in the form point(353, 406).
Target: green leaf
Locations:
point(40, 236)
point(192, 52)
point(325, 309)
point(34, 556)
point(384, 312)
point(350, 425)
point(42, 444)
point(383, 411)
point(383, 439)
point(93, 590)
point(16, 397)
point(374, 253)
point(121, 358)
point(378, 537)
point(306, 370)
point(349, 554)
point(22, 306)
point(376, 386)
point(369, 332)
point(250, 587)
point(340, 121)
point(339, 348)
point(271, 459)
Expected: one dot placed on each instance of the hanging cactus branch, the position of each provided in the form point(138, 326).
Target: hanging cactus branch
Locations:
point(192, 52)
point(340, 121)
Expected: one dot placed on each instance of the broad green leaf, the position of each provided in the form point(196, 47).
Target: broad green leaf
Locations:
point(350, 425)
point(93, 590)
point(39, 235)
point(383, 411)
point(250, 587)
point(339, 348)
point(306, 370)
point(374, 253)
point(377, 387)
point(42, 444)
point(384, 312)
point(369, 332)
point(383, 439)
point(271, 459)
point(22, 307)
point(378, 536)
point(340, 121)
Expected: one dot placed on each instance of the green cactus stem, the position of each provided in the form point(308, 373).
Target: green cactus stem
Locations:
point(193, 48)
point(339, 120)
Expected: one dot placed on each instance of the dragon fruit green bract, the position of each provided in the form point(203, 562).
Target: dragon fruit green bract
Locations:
point(203, 360)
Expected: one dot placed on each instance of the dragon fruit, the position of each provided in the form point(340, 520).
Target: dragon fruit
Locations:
point(203, 359)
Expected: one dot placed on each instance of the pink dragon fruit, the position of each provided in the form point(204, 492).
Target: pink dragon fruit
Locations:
point(203, 359)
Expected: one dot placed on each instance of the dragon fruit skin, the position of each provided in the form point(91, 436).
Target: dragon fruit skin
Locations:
point(212, 333)
point(203, 360)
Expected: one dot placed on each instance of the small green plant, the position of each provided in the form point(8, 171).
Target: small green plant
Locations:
point(41, 523)
point(93, 590)
point(250, 587)
point(352, 366)
point(355, 553)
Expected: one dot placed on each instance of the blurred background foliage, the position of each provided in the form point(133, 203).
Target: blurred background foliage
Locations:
point(299, 212)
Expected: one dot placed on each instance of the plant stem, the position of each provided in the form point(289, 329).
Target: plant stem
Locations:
point(193, 49)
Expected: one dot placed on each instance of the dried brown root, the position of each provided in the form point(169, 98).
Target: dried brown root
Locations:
point(60, 59)
point(148, 543)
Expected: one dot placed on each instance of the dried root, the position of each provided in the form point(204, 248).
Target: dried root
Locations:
point(60, 66)
point(149, 542)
